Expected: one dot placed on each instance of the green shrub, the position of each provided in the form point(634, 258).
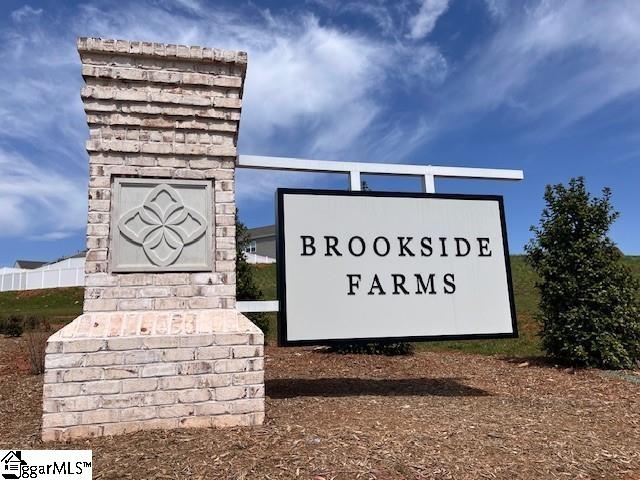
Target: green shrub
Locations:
point(588, 309)
point(261, 320)
point(14, 326)
point(4, 321)
point(375, 348)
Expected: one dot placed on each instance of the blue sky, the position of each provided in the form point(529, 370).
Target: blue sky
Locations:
point(551, 87)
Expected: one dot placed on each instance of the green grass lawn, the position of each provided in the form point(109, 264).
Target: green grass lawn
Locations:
point(56, 304)
point(64, 304)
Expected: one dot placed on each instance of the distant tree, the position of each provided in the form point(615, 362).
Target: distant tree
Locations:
point(588, 299)
point(246, 286)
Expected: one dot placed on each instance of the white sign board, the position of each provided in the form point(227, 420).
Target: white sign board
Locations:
point(356, 266)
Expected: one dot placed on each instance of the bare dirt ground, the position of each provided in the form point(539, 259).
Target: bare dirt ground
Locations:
point(433, 415)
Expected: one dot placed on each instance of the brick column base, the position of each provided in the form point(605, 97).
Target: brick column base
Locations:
point(109, 373)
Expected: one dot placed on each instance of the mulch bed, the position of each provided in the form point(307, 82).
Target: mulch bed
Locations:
point(432, 415)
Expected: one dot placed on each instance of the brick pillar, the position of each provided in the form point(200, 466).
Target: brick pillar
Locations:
point(160, 344)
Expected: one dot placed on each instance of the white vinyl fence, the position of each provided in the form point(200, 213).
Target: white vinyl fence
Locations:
point(66, 273)
point(255, 258)
point(33, 279)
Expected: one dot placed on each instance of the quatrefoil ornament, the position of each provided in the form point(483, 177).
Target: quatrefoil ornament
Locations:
point(163, 225)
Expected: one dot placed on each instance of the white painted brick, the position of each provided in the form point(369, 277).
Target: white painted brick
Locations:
point(138, 413)
point(141, 356)
point(164, 341)
point(178, 383)
point(160, 370)
point(229, 366)
point(53, 347)
point(152, 292)
point(215, 352)
point(135, 304)
point(244, 351)
point(196, 340)
point(59, 419)
point(255, 391)
point(101, 305)
point(171, 279)
point(217, 290)
point(74, 404)
point(194, 396)
point(180, 410)
point(135, 279)
point(206, 278)
point(204, 302)
point(52, 376)
point(82, 374)
point(102, 387)
point(160, 398)
point(214, 380)
point(247, 406)
point(56, 390)
point(49, 406)
point(121, 372)
point(231, 339)
point(255, 364)
point(100, 416)
point(125, 343)
point(230, 393)
point(178, 354)
point(128, 400)
point(248, 378)
point(103, 358)
point(211, 408)
point(196, 368)
point(170, 303)
point(139, 385)
point(66, 360)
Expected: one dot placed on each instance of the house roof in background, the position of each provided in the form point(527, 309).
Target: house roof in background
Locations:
point(80, 254)
point(28, 264)
point(261, 232)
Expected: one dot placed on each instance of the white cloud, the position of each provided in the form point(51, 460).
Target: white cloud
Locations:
point(50, 236)
point(498, 9)
point(24, 12)
point(423, 22)
point(551, 65)
point(38, 199)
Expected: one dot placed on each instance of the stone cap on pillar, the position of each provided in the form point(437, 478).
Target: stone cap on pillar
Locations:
point(154, 49)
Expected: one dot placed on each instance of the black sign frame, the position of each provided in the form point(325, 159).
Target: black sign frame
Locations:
point(283, 341)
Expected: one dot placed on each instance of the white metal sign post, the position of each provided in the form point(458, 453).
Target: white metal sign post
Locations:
point(427, 173)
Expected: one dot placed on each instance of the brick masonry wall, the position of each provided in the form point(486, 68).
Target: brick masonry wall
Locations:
point(160, 111)
point(113, 373)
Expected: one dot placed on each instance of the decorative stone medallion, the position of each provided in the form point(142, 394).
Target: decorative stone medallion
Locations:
point(161, 225)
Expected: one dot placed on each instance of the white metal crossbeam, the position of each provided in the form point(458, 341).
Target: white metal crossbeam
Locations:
point(427, 173)
point(355, 169)
point(248, 306)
